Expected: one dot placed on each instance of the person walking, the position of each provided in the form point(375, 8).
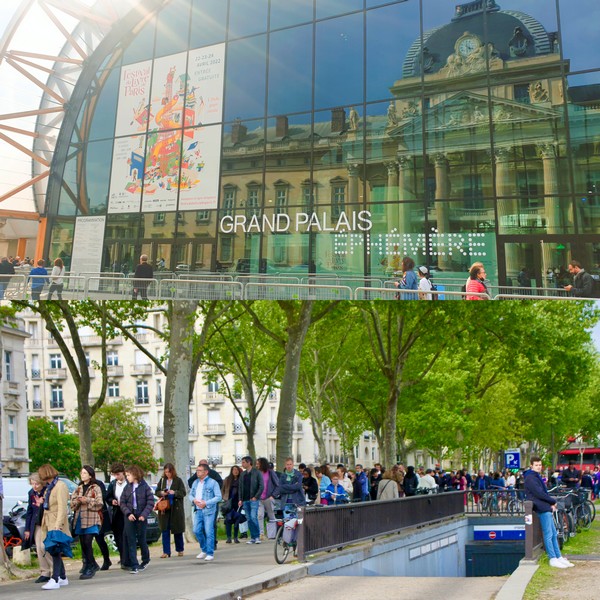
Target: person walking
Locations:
point(56, 498)
point(251, 489)
point(231, 494)
point(33, 527)
point(137, 502)
point(117, 519)
point(425, 285)
point(57, 279)
point(408, 280)
point(172, 520)
point(141, 278)
point(583, 282)
point(205, 495)
point(544, 505)
point(87, 503)
point(6, 270)
point(476, 282)
point(39, 278)
point(269, 493)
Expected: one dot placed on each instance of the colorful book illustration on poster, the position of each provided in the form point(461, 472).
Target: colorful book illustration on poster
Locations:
point(181, 154)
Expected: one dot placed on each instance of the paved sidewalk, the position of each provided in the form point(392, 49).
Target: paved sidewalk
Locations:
point(235, 568)
point(396, 588)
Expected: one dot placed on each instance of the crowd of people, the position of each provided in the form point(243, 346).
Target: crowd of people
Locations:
point(247, 498)
point(38, 275)
point(579, 284)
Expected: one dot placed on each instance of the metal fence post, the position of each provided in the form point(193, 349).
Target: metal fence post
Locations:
point(300, 535)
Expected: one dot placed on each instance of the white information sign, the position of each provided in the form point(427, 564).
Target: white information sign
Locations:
point(88, 241)
point(204, 101)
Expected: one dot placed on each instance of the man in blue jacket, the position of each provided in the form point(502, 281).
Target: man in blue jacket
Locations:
point(205, 495)
point(361, 477)
point(290, 485)
point(544, 505)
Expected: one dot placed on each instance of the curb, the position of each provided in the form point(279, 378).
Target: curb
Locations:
point(517, 583)
point(253, 585)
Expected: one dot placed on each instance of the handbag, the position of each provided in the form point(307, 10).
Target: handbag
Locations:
point(162, 505)
point(226, 507)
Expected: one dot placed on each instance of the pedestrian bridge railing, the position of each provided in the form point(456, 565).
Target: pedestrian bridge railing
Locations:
point(494, 502)
point(220, 286)
point(327, 527)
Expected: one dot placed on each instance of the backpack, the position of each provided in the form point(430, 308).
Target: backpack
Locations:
point(410, 485)
point(434, 289)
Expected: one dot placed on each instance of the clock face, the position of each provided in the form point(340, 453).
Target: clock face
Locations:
point(467, 46)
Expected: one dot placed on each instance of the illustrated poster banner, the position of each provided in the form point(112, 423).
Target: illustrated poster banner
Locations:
point(126, 175)
point(88, 243)
point(133, 110)
point(200, 168)
point(168, 91)
point(204, 102)
point(161, 177)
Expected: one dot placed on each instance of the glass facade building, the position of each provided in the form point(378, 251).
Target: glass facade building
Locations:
point(336, 137)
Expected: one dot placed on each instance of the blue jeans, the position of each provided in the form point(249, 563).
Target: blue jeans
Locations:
point(135, 533)
point(204, 530)
point(166, 541)
point(251, 510)
point(549, 533)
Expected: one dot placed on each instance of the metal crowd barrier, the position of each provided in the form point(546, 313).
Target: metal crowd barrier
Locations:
point(364, 293)
point(279, 291)
point(196, 289)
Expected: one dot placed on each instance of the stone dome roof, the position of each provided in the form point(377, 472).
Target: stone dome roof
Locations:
point(514, 34)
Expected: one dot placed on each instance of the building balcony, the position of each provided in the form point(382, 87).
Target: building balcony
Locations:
point(92, 372)
point(35, 374)
point(148, 431)
point(272, 426)
point(17, 453)
point(215, 429)
point(299, 428)
point(273, 458)
point(91, 340)
point(215, 460)
point(56, 373)
point(141, 369)
point(237, 459)
point(142, 338)
point(36, 405)
point(114, 370)
point(57, 405)
point(33, 341)
point(160, 431)
point(298, 458)
point(10, 387)
point(213, 398)
point(142, 401)
point(238, 428)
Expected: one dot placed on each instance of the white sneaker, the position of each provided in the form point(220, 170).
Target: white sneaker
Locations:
point(51, 585)
point(209, 558)
point(557, 563)
point(257, 541)
point(63, 582)
point(566, 562)
point(201, 555)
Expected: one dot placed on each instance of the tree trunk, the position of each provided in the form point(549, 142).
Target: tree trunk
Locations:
point(177, 392)
point(84, 426)
point(389, 428)
point(250, 433)
point(289, 384)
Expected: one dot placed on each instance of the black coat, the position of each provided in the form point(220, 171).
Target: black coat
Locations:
point(144, 497)
point(33, 516)
point(174, 518)
point(536, 491)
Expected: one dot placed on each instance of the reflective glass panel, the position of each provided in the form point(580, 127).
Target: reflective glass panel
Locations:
point(391, 31)
point(339, 61)
point(247, 17)
point(142, 45)
point(285, 13)
point(97, 176)
point(105, 108)
point(173, 27)
point(579, 33)
point(209, 20)
point(246, 78)
point(290, 70)
point(330, 8)
point(61, 242)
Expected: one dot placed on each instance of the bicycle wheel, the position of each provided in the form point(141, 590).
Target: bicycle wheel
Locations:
point(592, 508)
point(282, 548)
point(585, 518)
point(559, 523)
point(570, 525)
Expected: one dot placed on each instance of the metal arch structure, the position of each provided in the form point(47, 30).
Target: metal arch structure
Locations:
point(58, 77)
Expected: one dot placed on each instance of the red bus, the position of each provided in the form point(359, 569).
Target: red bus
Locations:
point(586, 458)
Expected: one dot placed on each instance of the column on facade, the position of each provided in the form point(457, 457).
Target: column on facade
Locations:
point(551, 194)
point(391, 195)
point(507, 207)
point(353, 184)
point(406, 192)
point(442, 209)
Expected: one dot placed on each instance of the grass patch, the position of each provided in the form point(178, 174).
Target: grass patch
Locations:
point(586, 542)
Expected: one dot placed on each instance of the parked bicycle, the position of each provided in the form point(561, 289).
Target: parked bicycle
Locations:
point(285, 540)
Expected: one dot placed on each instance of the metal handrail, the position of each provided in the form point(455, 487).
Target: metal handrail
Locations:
point(280, 291)
point(323, 528)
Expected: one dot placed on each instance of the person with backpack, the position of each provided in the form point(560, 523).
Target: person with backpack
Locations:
point(425, 285)
point(583, 282)
point(411, 482)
